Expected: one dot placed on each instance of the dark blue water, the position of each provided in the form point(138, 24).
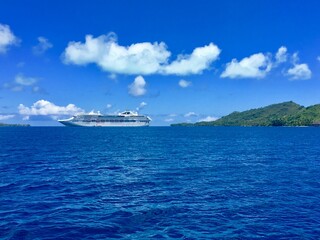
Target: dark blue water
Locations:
point(159, 182)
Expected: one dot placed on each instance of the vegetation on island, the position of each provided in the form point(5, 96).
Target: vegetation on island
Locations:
point(281, 114)
point(14, 125)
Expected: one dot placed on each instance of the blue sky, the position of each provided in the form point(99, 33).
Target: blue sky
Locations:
point(176, 62)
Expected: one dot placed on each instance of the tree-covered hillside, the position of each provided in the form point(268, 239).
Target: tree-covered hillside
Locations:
point(281, 114)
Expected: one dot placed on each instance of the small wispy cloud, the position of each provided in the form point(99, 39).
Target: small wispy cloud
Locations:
point(109, 106)
point(184, 84)
point(208, 119)
point(22, 82)
point(42, 46)
point(169, 120)
point(190, 114)
point(25, 81)
point(6, 117)
point(112, 76)
point(141, 106)
point(21, 64)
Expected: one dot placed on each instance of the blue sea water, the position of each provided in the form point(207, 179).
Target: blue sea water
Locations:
point(159, 183)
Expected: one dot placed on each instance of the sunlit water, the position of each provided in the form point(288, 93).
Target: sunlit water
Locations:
point(159, 182)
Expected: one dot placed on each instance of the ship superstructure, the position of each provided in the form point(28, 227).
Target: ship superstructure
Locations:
point(92, 119)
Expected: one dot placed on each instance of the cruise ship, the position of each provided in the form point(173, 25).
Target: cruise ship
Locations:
point(92, 119)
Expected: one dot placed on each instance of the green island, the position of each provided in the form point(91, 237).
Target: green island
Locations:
point(14, 125)
point(281, 114)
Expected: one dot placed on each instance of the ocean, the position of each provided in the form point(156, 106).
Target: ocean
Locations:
point(159, 183)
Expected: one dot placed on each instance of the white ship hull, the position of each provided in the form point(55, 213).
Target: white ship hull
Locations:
point(104, 124)
point(125, 119)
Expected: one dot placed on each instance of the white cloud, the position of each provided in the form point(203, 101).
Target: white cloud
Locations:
point(141, 106)
point(45, 108)
point(299, 72)
point(42, 46)
point(190, 114)
point(318, 58)
point(22, 83)
point(7, 38)
point(139, 58)
point(137, 88)
point(13, 87)
point(6, 117)
point(281, 55)
point(36, 89)
point(21, 64)
point(295, 58)
point(109, 106)
point(255, 66)
point(208, 119)
point(184, 83)
point(112, 76)
point(169, 120)
point(25, 81)
point(199, 60)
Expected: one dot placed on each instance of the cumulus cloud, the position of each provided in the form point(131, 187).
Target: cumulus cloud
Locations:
point(255, 66)
point(299, 72)
point(42, 46)
point(199, 60)
point(6, 117)
point(281, 55)
point(190, 114)
point(208, 119)
point(139, 58)
point(184, 84)
point(7, 38)
point(137, 88)
point(46, 108)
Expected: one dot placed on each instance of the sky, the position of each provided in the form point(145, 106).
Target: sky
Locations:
point(175, 61)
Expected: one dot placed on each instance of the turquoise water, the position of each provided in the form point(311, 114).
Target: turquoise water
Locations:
point(159, 182)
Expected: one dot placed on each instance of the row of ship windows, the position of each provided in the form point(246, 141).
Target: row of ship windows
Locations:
point(110, 120)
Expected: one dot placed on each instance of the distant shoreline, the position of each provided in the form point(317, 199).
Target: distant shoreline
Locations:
point(14, 125)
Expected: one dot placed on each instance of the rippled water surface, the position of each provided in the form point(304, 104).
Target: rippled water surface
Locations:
point(159, 182)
